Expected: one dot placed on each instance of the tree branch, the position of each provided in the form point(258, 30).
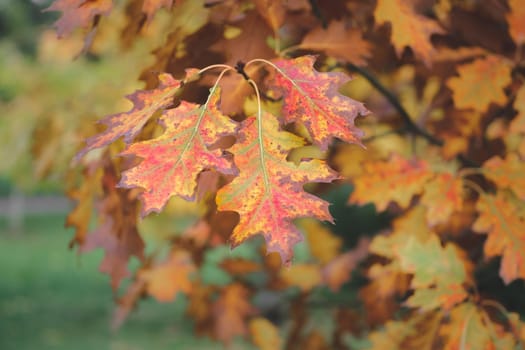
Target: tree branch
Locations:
point(410, 125)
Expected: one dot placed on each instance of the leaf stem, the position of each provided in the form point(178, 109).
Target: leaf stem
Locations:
point(266, 177)
point(213, 66)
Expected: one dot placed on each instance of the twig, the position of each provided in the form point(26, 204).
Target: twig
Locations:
point(410, 124)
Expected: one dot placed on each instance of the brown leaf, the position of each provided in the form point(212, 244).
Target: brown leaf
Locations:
point(230, 312)
point(338, 41)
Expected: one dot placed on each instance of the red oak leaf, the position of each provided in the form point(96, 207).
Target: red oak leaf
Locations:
point(268, 194)
point(129, 124)
point(172, 162)
point(313, 98)
point(78, 13)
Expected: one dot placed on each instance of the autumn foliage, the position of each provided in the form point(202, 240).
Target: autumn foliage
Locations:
point(264, 113)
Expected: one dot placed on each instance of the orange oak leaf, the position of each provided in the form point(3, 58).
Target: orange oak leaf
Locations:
point(408, 28)
point(265, 335)
point(165, 280)
point(443, 195)
point(129, 124)
point(172, 162)
point(340, 42)
point(78, 13)
point(516, 20)
point(396, 180)
point(268, 193)
point(507, 173)
point(230, 312)
point(502, 217)
point(480, 83)
point(312, 98)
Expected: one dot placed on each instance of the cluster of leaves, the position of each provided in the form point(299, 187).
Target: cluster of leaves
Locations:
point(252, 131)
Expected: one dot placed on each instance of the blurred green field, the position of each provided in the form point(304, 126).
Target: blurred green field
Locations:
point(50, 298)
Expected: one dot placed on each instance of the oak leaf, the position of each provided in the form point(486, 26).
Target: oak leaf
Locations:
point(165, 280)
point(173, 161)
point(502, 217)
point(408, 28)
point(480, 83)
point(439, 270)
point(507, 173)
point(230, 312)
point(268, 192)
point(396, 180)
point(78, 13)
point(129, 124)
point(443, 195)
point(312, 98)
point(339, 42)
point(471, 328)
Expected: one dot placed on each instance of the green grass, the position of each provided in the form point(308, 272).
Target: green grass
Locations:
point(51, 298)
